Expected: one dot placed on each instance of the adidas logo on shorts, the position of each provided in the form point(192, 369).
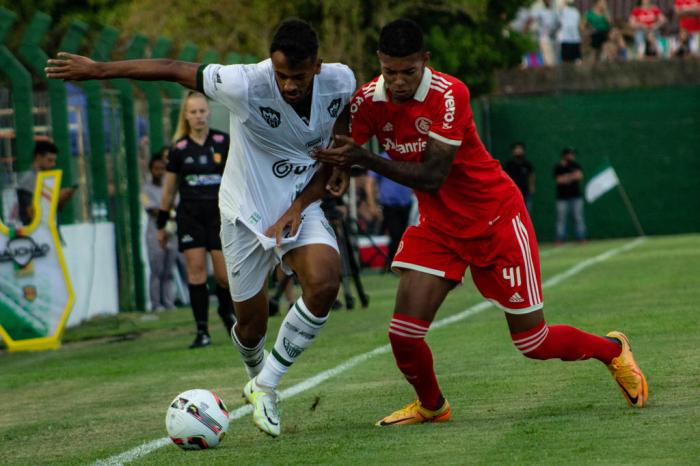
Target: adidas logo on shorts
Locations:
point(516, 298)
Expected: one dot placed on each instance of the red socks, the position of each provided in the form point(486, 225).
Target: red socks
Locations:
point(414, 359)
point(564, 342)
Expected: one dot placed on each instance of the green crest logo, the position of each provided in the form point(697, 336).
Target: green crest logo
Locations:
point(292, 350)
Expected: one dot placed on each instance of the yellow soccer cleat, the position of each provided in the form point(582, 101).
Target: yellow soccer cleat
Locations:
point(415, 413)
point(627, 373)
point(266, 414)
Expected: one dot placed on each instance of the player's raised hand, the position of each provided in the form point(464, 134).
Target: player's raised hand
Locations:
point(71, 67)
point(344, 152)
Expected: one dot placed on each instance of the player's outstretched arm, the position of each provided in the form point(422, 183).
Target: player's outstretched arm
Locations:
point(426, 175)
point(71, 67)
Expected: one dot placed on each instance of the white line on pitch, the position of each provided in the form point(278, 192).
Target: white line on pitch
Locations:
point(309, 383)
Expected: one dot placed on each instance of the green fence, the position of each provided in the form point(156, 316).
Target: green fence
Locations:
point(109, 168)
point(651, 136)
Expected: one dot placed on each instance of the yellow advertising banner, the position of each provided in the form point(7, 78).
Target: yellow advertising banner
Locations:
point(36, 295)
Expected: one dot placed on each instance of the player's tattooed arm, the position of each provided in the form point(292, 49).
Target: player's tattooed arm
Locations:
point(71, 67)
point(426, 175)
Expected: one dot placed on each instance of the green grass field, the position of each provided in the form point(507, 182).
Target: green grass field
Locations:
point(106, 390)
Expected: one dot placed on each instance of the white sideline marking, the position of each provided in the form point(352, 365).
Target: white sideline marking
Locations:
point(309, 383)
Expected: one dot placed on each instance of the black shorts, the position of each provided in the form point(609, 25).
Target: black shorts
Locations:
point(570, 52)
point(598, 38)
point(198, 225)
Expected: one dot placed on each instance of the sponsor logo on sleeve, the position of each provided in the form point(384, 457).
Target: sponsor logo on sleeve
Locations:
point(181, 144)
point(218, 138)
point(449, 110)
point(271, 116)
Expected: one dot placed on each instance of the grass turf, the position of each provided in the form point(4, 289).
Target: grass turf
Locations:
point(106, 390)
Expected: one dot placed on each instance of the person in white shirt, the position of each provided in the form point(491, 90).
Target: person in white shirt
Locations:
point(545, 17)
point(569, 34)
point(282, 109)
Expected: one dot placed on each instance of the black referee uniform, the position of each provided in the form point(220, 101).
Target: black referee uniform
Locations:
point(199, 170)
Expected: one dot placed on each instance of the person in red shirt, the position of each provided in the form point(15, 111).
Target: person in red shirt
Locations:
point(645, 18)
point(471, 215)
point(688, 12)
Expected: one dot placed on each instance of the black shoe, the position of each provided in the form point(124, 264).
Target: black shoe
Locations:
point(349, 303)
point(364, 300)
point(273, 307)
point(202, 340)
point(336, 305)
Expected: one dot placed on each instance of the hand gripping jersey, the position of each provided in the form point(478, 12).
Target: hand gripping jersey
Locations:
point(269, 159)
point(477, 193)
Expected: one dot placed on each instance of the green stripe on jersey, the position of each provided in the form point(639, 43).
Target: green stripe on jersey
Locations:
point(279, 358)
point(200, 77)
point(310, 318)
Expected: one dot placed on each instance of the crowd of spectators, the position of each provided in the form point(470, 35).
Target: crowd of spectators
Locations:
point(577, 31)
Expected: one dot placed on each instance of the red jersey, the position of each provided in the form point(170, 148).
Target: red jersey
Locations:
point(689, 23)
point(477, 192)
point(647, 16)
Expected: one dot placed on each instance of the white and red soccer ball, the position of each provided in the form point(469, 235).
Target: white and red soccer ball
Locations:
point(196, 419)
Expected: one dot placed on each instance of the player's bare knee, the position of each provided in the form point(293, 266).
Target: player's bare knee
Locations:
point(320, 295)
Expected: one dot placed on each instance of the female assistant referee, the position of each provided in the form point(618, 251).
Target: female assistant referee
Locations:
point(194, 169)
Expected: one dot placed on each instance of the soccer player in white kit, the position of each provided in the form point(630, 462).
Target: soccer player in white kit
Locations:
point(282, 109)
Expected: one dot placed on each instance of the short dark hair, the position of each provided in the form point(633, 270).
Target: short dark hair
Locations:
point(155, 157)
point(296, 39)
point(568, 150)
point(44, 147)
point(517, 144)
point(401, 38)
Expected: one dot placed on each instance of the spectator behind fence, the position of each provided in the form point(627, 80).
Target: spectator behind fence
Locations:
point(521, 172)
point(598, 21)
point(545, 17)
point(568, 175)
point(688, 12)
point(615, 48)
point(395, 201)
point(160, 259)
point(682, 46)
point(569, 34)
point(45, 153)
point(645, 18)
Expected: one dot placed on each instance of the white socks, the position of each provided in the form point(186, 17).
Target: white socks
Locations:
point(298, 330)
point(253, 358)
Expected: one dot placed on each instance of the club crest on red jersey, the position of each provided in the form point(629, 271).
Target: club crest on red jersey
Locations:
point(423, 124)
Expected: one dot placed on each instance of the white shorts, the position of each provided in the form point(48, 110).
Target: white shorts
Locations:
point(248, 263)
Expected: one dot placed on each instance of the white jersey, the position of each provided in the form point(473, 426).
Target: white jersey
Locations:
point(269, 159)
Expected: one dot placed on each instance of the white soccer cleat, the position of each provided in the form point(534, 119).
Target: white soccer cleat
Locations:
point(265, 402)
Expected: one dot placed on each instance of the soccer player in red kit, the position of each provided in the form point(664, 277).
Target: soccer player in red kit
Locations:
point(471, 215)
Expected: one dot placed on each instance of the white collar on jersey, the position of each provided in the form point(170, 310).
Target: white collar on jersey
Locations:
point(421, 92)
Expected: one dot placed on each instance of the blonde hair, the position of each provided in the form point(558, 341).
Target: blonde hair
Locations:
point(183, 126)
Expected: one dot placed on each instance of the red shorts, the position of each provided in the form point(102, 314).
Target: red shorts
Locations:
point(505, 264)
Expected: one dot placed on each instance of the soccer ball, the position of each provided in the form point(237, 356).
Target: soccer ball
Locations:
point(196, 419)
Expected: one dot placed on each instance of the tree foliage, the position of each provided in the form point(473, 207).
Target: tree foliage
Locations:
point(467, 38)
